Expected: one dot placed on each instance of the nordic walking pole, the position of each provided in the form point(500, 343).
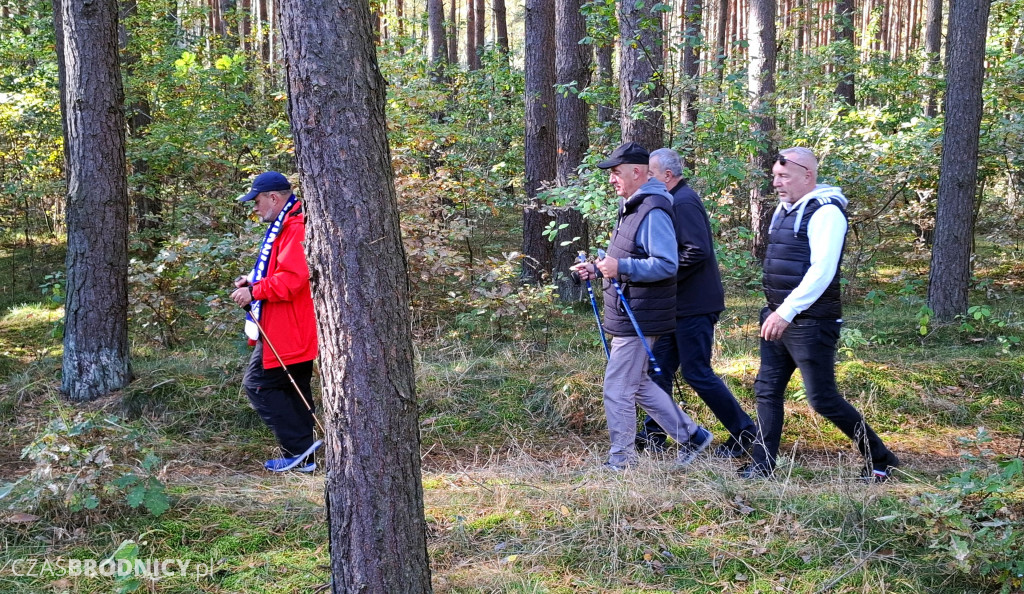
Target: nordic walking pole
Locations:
point(636, 326)
point(309, 407)
point(593, 303)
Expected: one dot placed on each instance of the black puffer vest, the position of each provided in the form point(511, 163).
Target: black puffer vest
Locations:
point(789, 256)
point(653, 304)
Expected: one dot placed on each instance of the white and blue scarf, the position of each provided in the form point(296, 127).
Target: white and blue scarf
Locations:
point(260, 269)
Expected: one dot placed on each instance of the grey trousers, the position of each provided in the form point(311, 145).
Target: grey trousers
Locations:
point(626, 384)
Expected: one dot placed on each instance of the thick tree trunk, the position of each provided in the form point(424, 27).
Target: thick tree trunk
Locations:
point(360, 290)
point(723, 20)
point(932, 46)
point(435, 23)
point(950, 274)
point(572, 64)
point(640, 58)
point(96, 354)
point(605, 58)
point(762, 106)
point(453, 31)
point(847, 55)
point(541, 140)
point(501, 26)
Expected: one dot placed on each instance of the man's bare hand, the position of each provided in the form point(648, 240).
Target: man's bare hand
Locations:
point(773, 327)
point(609, 267)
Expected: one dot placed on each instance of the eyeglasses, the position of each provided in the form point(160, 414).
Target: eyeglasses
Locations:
point(782, 160)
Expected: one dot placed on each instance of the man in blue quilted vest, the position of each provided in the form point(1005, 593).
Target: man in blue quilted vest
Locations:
point(800, 325)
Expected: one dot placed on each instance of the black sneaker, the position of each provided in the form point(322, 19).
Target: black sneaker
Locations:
point(879, 473)
point(755, 471)
point(652, 443)
point(733, 448)
point(689, 451)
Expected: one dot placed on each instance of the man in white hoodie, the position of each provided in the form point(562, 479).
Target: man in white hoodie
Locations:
point(800, 325)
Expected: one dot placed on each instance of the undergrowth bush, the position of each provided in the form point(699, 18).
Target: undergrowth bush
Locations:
point(85, 464)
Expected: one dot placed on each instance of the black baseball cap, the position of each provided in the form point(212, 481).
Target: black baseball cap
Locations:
point(268, 181)
point(631, 153)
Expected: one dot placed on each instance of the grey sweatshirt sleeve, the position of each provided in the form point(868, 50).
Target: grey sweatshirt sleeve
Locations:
point(656, 236)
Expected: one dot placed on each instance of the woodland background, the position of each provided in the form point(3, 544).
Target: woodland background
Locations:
point(496, 118)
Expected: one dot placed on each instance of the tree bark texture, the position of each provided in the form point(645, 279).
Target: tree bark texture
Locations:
point(640, 72)
point(762, 106)
point(541, 140)
point(438, 51)
point(572, 64)
point(453, 31)
point(932, 47)
point(360, 292)
point(96, 351)
point(846, 64)
point(950, 274)
point(720, 40)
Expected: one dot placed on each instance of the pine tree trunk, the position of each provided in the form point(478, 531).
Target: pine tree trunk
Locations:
point(435, 23)
point(541, 137)
point(640, 57)
point(762, 90)
point(572, 64)
point(723, 20)
point(605, 112)
point(692, 41)
point(453, 32)
point(501, 26)
point(96, 351)
point(950, 275)
point(932, 47)
point(470, 36)
point(481, 28)
point(360, 291)
point(847, 55)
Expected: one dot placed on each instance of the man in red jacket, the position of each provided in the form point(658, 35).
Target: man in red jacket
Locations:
point(277, 291)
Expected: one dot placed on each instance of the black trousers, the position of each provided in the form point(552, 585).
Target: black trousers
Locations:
point(273, 396)
point(809, 345)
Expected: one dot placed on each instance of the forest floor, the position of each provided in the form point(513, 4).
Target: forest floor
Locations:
point(516, 500)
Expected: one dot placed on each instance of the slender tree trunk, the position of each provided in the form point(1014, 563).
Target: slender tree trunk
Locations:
point(847, 54)
point(453, 32)
point(481, 28)
point(541, 138)
point(762, 90)
point(690, 79)
point(721, 29)
point(932, 46)
point(640, 66)
point(360, 291)
point(605, 112)
point(572, 65)
point(435, 24)
point(470, 36)
point(96, 352)
point(501, 26)
point(954, 217)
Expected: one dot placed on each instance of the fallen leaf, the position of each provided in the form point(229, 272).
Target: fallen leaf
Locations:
point(20, 518)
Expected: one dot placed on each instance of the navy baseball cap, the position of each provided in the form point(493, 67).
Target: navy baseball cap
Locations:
point(629, 153)
point(268, 181)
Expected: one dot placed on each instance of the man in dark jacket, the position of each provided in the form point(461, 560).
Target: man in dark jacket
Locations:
point(800, 326)
point(278, 293)
point(700, 300)
point(643, 258)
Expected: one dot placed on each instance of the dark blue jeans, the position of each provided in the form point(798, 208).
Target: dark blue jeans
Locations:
point(809, 345)
point(689, 349)
point(273, 396)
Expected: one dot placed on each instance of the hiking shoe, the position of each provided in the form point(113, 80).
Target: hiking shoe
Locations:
point(880, 473)
point(733, 448)
point(620, 467)
point(652, 443)
point(689, 451)
point(755, 471)
point(296, 462)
